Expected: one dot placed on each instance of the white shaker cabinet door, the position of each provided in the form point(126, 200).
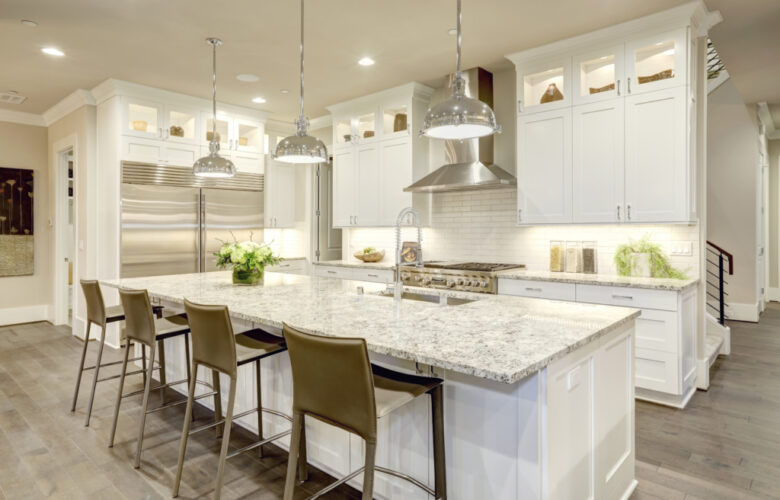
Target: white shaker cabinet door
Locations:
point(656, 170)
point(279, 195)
point(343, 187)
point(544, 167)
point(367, 185)
point(598, 161)
point(396, 174)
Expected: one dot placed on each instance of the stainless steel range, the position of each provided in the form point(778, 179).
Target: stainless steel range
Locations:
point(462, 276)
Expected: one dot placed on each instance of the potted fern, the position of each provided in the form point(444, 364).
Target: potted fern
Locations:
point(247, 259)
point(644, 258)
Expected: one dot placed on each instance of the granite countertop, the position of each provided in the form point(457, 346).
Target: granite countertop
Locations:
point(383, 264)
point(495, 337)
point(599, 279)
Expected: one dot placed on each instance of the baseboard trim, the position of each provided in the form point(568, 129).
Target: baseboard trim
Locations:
point(28, 314)
point(743, 312)
point(773, 294)
point(662, 398)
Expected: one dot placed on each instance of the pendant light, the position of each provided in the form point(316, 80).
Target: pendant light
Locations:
point(213, 165)
point(460, 116)
point(301, 147)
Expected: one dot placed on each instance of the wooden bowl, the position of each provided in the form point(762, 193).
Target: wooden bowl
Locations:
point(370, 257)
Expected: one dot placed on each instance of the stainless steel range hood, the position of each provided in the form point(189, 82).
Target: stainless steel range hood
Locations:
point(468, 165)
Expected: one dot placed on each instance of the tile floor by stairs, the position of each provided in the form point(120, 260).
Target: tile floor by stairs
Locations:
point(725, 445)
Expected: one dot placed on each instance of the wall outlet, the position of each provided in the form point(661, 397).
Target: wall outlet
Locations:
point(681, 248)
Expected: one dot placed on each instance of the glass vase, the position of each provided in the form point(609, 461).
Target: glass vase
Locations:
point(251, 277)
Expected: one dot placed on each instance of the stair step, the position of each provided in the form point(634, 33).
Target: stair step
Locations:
point(713, 344)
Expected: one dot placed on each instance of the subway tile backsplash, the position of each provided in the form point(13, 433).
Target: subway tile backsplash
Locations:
point(480, 226)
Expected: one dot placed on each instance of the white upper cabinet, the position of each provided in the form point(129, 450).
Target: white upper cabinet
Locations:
point(544, 161)
point(656, 62)
point(181, 124)
point(598, 161)
point(598, 74)
point(279, 196)
point(375, 156)
point(143, 118)
point(544, 85)
point(656, 160)
point(248, 136)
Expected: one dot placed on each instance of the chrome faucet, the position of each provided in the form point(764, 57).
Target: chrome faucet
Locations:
point(405, 214)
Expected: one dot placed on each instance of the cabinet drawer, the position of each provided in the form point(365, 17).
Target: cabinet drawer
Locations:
point(657, 371)
point(375, 275)
point(289, 267)
point(640, 298)
point(538, 289)
point(657, 330)
point(343, 273)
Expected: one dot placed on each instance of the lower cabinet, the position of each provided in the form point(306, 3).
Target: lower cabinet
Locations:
point(296, 266)
point(355, 273)
point(665, 331)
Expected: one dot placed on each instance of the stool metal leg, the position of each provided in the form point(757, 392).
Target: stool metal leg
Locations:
point(303, 464)
point(97, 371)
point(258, 381)
point(186, 430)
point(144, 406)
point(81, 366)
point(217, 401)
point(368, 474)
point(163, 378)
point(437, 416)
point(292, 460)
point(119, 393)
point(188, 358)
point(143, 361)
point(225, 439)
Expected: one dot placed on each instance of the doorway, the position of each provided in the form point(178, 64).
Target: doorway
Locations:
point(326, 240)
point(64, 267)
point(67, 190)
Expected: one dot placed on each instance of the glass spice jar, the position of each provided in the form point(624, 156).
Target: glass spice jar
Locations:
point(572, 261)
point(589, 257)
point(556, 256)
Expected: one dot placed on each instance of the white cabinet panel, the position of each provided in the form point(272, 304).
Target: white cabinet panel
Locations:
point(368, 187)
point(657, 62)
point(375, 275)
point(142, 118)
point(598, 161)
point(279, 195)
point(544, 162)
point(142, 150)
point(657, 330)
point(339, 272)
point(181, 154)
point(395, 157)
point(250, 163)
point(657, 371)
point(343, 186)
point(598, 74)
point(630, 297)
point(656, 167)
point(544, 85)
point(537, 289)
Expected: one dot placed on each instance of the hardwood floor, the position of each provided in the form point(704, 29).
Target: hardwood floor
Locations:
point(725, 445)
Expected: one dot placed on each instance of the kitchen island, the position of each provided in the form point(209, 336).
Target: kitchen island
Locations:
point(539, 397)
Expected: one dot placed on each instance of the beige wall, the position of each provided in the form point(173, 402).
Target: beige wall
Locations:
point(732, 170)
point(79, 125)
point(24, 146)
point(774, 213)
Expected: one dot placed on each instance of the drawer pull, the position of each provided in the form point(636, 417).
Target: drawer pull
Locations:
point(627, 297)
point(331, 272)
point(373, 275)
point(529, 289)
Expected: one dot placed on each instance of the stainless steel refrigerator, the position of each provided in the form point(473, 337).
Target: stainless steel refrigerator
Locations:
point(173, 222)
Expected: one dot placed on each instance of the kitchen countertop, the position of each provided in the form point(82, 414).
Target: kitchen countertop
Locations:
point(598, 279)
point(499, 338)
point(383, 264)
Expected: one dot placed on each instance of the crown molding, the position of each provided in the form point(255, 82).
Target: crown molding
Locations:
point(68, 105)
point(22, 118)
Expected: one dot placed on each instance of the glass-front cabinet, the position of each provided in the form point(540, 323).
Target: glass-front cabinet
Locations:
point(248, 136)
point(545, 86)
point(395, 120)
point(358, 129)
point(598, 75)
point(342, 129)
point(656, 62)
point(181, 125)
point(224, 126)
point(143, 119)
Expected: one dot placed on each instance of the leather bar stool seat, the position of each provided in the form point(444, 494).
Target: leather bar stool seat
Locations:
point(215, 346)
point(143, 328)
point(393, 389)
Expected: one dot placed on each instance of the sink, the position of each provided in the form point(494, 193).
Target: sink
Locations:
point(429, 297)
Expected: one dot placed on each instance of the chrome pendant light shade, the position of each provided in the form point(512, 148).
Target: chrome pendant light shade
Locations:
point(301, 147)
point(460, 116)
point(214, 165)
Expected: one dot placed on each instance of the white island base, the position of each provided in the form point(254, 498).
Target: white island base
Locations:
point(565, 432)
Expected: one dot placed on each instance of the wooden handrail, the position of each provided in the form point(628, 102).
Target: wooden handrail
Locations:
point(728, 255)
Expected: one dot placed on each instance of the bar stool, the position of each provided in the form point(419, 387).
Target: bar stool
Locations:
point(215, 346)
point(143, 329)
point(101, 316)
point(334, 381)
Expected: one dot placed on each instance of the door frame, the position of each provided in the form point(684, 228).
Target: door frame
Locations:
point(60, 222)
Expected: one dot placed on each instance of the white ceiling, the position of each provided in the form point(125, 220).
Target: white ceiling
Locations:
point(748, 41)
point(161, 43)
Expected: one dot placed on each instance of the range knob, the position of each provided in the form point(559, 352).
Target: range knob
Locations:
point(405, 276)
point(467, 283)
point(460, 282)
point(417, 278)
point(450, 284)
point(483, 284)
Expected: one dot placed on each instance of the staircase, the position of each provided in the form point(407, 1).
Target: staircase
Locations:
point(720, 264)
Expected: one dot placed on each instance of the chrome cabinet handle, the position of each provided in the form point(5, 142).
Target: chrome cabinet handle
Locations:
point(626, 297)
point(628, 211)
point(530, 289)
point(618, 212)
point(628, 84)
point(356, 220)
point(331, 272)
point(519, 105)
point(519, 215)
point(618, 87)
point(373, 275)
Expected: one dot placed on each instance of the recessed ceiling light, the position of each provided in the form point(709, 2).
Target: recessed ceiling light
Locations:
point(669, 52)
point(52, 51)
point(258, 100)
point(452, 31)
point(247, 77)
point(366, 61)
point(285, 91)
point(29, 24)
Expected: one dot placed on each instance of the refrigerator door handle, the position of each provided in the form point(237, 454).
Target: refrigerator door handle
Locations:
point(201, 230)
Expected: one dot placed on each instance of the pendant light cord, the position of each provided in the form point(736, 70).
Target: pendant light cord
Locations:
point(301, 118)
point(457, 60)
point(214, 92)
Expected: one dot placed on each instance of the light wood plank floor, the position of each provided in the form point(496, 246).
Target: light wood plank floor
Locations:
point(725, 445)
